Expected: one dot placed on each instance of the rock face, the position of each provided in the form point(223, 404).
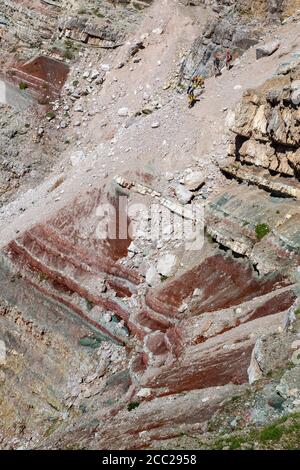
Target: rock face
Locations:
point(236, 25)
point(266, 129)
point(199, 354)
point(264, 153)
point(57, 27)
point(139, 342)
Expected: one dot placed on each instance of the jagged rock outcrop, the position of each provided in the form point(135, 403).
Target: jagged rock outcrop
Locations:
point(236, 25)
point(202, 350)
point(31, 27)
point(140, 341)
point(264, 153)
point(266, 132)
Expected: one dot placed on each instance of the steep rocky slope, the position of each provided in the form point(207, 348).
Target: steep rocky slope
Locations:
point(127, 341)
point(236, 25)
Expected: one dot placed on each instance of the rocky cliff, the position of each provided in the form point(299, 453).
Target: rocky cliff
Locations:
point(233, 25)
point(123, 342)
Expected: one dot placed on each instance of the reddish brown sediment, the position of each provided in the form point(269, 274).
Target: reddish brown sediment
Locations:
point(77, 311)
point(93, 258)
point(190, 343)
point(181, 351)
point(152, 320)
point(224, 283)
point(43, 76)
point(282, 301)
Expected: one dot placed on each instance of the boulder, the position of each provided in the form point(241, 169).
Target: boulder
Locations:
point(296, 97)
point(183, 195)
point(167, 265)
point(194, 181)
point(152, 277)
point(289, 386)
point(267, 49)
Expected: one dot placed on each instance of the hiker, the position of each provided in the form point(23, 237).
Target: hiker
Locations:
point(217, 65)
point(228, 59)
point(196, 82)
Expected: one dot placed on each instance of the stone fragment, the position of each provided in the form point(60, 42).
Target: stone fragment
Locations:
point(194, 181)
point(167, 265)
point(289, 386)
point(152, 277)
point(107, 317)
point(296, 357)
point(155, 125)
point(78, 108)
point(267, 49)
point(94, 74)
point(123, 112)
point(133, 248)
point(254, 371)
point(183, 195)
point(105, 67)
point(157, 31)
point(296, 97)
point(258, 153)
point(77, 158)
point(197, 292)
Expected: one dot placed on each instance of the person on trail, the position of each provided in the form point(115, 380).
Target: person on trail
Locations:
point(217, 65)
point(228, 59)
point(196, 82)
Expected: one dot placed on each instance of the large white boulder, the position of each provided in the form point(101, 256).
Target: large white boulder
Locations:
point(183, 195)
point(194, 181)
point(167, 265)
point(152, 276)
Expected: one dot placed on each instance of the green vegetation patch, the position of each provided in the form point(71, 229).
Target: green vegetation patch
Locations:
point(283, 433)
point(262, 230)
point(68, 54)
point(90, 342)
point(23, 86)
point(271, 433)
point(133, 405)
point(50, 115)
